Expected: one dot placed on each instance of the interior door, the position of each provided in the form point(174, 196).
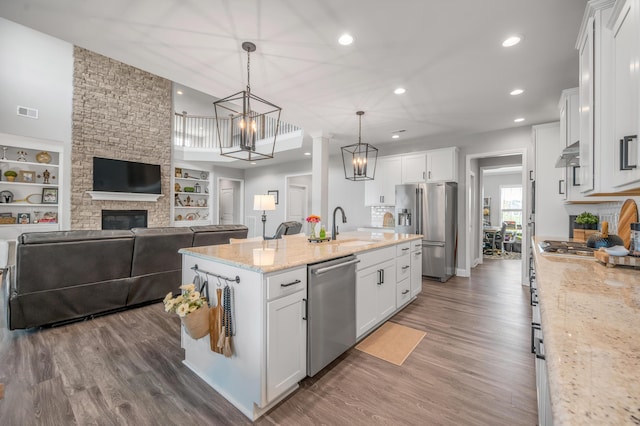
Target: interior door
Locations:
point(297, 203)
point(227, 196)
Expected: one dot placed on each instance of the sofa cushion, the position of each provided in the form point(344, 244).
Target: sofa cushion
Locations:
point(156, 249)
point(65, 259)
point(211, 235)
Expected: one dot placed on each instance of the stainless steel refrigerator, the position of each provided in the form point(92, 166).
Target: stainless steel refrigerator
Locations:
point(431, 209)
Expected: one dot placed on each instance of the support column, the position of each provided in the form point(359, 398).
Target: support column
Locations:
point(320, 176)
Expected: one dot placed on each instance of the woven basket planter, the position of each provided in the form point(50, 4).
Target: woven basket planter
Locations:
point(197, 322)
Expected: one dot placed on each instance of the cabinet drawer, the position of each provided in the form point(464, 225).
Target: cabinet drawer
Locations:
point(416, 245)
point(403, 267)
point(375, 257)
point(286, 282)
point(403, 249)
point(403, 292)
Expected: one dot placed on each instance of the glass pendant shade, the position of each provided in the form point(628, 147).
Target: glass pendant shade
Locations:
point(359, 160)
point(247, 125)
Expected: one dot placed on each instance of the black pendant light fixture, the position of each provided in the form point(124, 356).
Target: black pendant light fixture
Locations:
point(247, 125)
point(359, 160)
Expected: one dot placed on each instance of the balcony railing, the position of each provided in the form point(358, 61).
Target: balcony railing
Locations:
point(199, 132)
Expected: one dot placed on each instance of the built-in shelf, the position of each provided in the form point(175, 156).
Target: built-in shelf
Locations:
point(123, 196)
point(54, 206)
point(40, 185)
point(29, 163)
point(190, 207)
point(193, 193)
point(193, 179)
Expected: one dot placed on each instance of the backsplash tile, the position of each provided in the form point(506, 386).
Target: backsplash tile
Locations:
point(378, 212)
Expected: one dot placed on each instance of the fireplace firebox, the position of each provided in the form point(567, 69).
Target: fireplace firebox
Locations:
point(124, 219)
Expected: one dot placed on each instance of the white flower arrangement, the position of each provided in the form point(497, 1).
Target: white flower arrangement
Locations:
point(187, 302)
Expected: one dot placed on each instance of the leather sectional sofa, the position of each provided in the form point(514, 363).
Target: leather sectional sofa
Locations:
point(65, 276)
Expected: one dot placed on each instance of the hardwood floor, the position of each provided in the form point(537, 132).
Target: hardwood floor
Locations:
point(472, 368)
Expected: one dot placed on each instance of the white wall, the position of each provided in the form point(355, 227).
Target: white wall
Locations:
point(491, 188)
point(36, 71)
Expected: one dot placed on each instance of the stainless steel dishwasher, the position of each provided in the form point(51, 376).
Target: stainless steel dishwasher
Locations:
point(331, 314)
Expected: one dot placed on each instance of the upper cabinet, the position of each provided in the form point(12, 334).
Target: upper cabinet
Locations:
point(625, 26)
point(442, 165)
point(595, 98)
point(414, 168)
point(381, 191)
point(438, 165)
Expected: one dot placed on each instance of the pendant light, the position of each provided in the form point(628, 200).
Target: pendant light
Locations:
point(247, 125)
point(359, 160)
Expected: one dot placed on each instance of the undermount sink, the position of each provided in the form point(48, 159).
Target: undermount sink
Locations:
point(355, 243)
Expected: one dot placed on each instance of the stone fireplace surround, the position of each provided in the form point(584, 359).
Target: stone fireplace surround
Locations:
point(119, 112)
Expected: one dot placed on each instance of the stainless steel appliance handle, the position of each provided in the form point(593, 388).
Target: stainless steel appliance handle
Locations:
point(331, 268)
point(419, 218)
point(430, 244)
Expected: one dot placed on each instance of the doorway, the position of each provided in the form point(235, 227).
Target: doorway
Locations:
point(230, 201)
point(297, 199)
point(479, 215)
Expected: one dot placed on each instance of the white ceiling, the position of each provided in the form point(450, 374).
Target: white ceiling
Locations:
point(446, 53)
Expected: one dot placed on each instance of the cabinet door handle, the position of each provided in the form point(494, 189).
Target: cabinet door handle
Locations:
point(560, 190)
point(379, 277)
point(624, 153)
point(291, 283)
point(382, 270)
point(539, 348)
point(418, 252)
point(406, 248)
point(423, 175)
point(406, 267)
point(530, 174)
point(429, 175)
point(405, 292)
point(304, 317)
point(534, 326)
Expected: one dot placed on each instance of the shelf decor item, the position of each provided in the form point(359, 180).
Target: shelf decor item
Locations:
point(22, 155)
point(192, 309)
point(26, 176)
point(43, 157)
point(24, 218)
point(49, 195)
point(10, 175)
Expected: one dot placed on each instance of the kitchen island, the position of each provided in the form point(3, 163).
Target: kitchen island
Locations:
point(590, 316)
point(269, 284)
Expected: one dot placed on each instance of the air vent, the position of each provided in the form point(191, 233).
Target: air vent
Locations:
point(28, 112)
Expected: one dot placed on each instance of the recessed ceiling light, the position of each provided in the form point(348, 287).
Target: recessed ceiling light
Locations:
point(399, 91)
point(345, 39)
point(179, 92)
point(395, 136)
point(516, 92)
point(518, 120)
point(512, 41)
point(307, 153)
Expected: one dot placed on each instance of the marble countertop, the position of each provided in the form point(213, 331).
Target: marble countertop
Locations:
point(275, 255)
point(590, 318)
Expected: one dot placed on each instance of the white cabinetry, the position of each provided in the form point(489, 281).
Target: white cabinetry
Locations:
point(375, 288)
point(416, 268)
point(414, 168)
point(286, 331)
point(403, 274)
point(382, 190)
point(626, 93)
point(595, 100)
point(191, 197)
point(442, 165)
point(30, 202)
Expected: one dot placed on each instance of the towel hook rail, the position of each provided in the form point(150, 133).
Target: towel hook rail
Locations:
point(202, 271)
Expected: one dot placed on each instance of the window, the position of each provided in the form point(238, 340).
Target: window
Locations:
point(511, 204)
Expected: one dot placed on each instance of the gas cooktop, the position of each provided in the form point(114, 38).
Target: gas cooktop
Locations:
point(566, 247)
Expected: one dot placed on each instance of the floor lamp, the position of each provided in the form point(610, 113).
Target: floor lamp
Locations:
point(264, 203)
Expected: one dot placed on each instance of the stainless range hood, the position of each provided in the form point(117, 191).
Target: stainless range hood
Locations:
point(570, 156)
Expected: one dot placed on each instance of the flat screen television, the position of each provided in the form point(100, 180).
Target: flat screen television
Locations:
point(125, 176)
